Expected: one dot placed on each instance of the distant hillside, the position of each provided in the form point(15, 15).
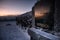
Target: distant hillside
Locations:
point(7, 18)
point(13, 18)
point(27, 15)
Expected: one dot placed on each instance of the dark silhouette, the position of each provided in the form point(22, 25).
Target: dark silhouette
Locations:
point(49, 18)
point(24, 20)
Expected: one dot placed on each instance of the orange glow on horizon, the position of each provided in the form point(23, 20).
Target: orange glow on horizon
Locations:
point(9, 12)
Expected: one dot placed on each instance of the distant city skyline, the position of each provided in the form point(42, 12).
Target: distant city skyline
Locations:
point(15, 7)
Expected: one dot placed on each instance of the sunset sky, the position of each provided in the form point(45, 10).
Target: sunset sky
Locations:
point(15, 7)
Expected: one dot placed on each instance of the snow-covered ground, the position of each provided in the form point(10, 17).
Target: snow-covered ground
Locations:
point(10, 31)
point(38, 34)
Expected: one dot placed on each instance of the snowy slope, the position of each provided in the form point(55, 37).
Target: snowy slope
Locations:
point(10, 31)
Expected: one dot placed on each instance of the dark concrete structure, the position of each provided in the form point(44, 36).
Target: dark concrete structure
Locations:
point(57, 16)
point(46, 9)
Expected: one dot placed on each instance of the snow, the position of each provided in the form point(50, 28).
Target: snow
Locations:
point(10, 31)
point(39, 32)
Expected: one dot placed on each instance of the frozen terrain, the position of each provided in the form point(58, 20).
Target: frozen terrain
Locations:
point(10, 31)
